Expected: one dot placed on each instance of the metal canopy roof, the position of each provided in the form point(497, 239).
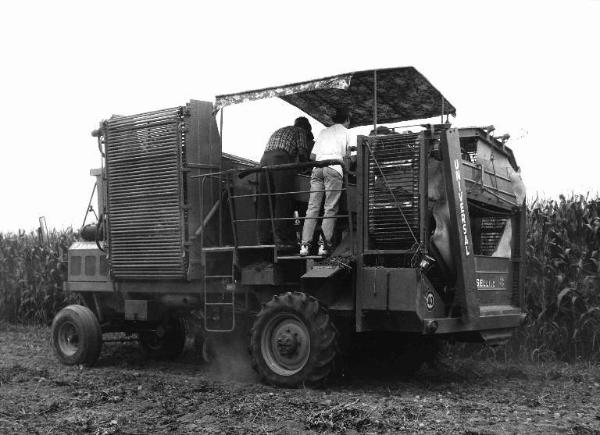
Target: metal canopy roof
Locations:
point(402, 94)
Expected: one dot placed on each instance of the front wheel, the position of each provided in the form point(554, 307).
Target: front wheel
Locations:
point(76, 336)
point(293, 341)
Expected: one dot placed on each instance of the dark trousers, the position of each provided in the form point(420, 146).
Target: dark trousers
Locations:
point(276, 182)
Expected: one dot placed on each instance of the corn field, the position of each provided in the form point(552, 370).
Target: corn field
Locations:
point(31, 276)
point(562, 290)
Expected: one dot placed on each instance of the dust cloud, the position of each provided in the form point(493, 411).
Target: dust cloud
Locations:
point(225, 355)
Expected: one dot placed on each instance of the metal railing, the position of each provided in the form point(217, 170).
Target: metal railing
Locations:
point(225, 180)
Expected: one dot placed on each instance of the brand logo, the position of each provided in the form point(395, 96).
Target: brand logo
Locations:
point(461, 203)
point(494, 283)
point(430, 301)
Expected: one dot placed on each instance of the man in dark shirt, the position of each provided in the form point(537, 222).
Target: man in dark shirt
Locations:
point(286, 145)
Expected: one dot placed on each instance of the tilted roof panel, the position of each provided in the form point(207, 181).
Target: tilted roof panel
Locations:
point(403, 94)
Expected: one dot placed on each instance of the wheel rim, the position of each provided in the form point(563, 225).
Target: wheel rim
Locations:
point(68, 338)
point(152, 341)
point(285, 344)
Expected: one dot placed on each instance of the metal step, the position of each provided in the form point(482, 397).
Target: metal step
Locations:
point(218, 248)
point(299, 257)
point(269, 247)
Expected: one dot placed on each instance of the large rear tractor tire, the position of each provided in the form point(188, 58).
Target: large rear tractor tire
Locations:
point(76, 336)
point(165, 343)
point(293, 341)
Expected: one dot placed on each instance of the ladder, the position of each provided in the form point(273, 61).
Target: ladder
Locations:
point(212, 256)
point(224, 300)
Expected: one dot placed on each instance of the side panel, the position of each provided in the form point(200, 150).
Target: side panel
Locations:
point(493, 280)
point(382, 288)
point(87, 263)
point(403, 294)
point(203, 156)
point(387, 298)
point(88, 269)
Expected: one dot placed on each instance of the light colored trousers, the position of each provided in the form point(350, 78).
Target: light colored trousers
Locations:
point(323, 182)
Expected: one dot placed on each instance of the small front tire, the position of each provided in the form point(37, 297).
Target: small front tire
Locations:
point(76, 336)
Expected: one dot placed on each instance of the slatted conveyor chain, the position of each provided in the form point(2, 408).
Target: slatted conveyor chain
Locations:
point(394, 183)
point(144, 160)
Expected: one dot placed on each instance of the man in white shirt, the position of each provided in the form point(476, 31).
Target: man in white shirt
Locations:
point(333, 142)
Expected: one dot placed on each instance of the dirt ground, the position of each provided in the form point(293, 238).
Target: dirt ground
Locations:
point(127, 394)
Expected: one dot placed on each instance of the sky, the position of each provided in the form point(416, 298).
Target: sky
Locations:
point(531, 68)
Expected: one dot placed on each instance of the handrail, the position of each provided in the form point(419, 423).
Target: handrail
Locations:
point(268, 169)
point(300, 165)
point(291, 192)
point(244, 172)
point(299, 218)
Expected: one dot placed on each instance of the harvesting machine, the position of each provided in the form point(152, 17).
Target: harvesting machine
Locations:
point(428, 242)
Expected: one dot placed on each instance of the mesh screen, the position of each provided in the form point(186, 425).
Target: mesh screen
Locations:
point(393, 190)
point(491, 228)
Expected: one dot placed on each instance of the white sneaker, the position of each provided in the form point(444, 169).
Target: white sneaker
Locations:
point(322, 251)
point(303, 250)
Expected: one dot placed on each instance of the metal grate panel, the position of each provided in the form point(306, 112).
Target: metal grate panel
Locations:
point(393, 190)
point(492, 228)
point(145, 195)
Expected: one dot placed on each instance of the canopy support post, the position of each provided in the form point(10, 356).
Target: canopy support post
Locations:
point(442, 115)
point(375, 101)
point(221, 179)
point(221, 124)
